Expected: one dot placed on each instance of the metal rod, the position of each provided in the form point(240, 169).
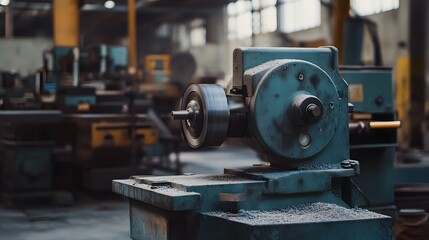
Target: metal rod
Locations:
point(359, 126)
point(132, 37)
point(181, 115)
point(385, 124)
point(9, 21)
point(75, 67)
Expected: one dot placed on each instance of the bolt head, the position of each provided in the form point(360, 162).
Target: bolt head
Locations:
point(304, 140)
point(313, 110)
point(346, 164)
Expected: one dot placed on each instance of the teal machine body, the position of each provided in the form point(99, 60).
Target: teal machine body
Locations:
point(373, 133)
point(291, 105)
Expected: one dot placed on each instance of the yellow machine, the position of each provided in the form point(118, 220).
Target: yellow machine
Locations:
point(157, 68)
point(157, 77)
point(111, 145)
point(117, 134)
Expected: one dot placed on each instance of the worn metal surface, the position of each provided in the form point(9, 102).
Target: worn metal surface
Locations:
point(302, 180)
point(306, 221)
point(163, 197)
point(246, 58)
point(148, 223)
point(183, 192)
point(315, 220)
point(259, 189)
point(271, 123)
point(271, 80)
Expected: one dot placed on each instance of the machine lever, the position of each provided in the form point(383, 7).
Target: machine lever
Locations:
point(385, 124)
point(374, 125)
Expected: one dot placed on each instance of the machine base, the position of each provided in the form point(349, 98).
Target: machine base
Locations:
point(259, 202)
point(305, 221)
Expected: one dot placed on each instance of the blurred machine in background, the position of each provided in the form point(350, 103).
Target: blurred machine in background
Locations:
point(373, 133)
point(112, 128)
point(103, 128)
point(27, 140)
point(26, 149)
point(165, 79)
point(290, 105)
point(110, 145)
point(16, 93)
point(157, 68)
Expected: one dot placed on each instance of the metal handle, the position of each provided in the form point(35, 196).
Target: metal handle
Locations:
point(359, 126)
point(385, 124)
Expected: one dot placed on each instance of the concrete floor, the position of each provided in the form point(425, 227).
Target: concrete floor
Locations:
point(105, 218)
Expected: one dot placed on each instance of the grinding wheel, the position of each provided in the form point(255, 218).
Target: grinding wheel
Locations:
point(204, 115)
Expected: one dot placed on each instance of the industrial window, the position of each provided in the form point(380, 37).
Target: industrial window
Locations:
point(251, 17)
point(264, 16)
point(368, 7)
point(297, 15)
point(240, 19)
point(198, 33)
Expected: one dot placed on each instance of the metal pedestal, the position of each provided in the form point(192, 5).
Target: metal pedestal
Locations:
point(251, 203)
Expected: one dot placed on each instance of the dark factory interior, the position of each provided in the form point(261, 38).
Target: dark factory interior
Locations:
point(207, 120)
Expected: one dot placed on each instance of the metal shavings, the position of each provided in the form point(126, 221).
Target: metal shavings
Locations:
point(319, 167)
point(169, 190)
point(303, 213)
point(224, 178)
point(207, 179)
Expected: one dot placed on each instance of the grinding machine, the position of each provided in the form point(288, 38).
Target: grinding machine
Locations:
point(290, 105)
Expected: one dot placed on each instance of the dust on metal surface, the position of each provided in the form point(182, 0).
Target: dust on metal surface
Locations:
point(165, 197)
point(303, 213)
point(197, 180)
point(319, 167)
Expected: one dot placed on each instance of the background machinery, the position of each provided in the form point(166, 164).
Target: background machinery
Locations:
point(373, 133)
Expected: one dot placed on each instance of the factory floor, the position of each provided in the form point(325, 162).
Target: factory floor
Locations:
point(105, 217)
